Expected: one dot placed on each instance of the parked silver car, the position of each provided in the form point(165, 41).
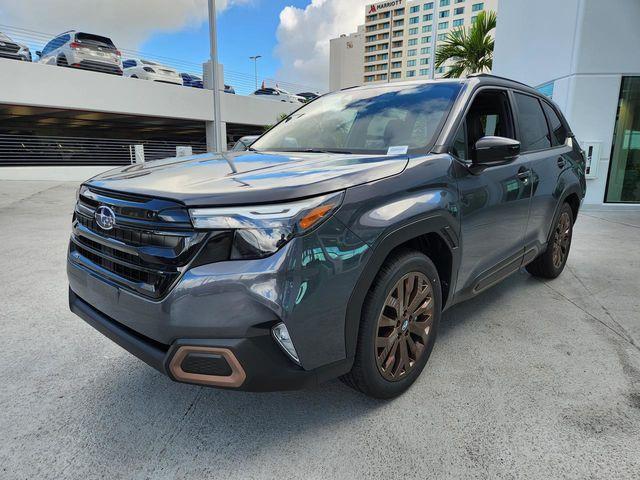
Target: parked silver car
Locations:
point(85, 51)
point(148, 70)
point(11, 49)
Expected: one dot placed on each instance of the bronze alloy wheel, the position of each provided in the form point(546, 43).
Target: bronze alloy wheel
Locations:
point(404, 326)
point(561, 240)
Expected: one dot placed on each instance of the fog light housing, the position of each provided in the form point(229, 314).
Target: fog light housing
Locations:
point(282, 337)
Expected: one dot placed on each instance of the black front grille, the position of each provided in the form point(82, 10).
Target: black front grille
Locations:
point(9, 47)
point(147, 250)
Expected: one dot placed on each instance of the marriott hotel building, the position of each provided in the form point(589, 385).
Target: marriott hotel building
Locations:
point(401, 37)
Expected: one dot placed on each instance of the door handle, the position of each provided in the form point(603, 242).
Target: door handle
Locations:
point(561, 162)
point(523, 174)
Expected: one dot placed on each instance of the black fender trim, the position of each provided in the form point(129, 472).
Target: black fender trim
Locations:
point(438, 224)
point(569, 190)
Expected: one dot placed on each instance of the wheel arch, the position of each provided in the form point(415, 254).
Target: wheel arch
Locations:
point(434, 236)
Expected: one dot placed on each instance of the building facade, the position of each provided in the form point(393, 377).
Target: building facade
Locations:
point(585, 57)
point(346, 54)
point(401, 38)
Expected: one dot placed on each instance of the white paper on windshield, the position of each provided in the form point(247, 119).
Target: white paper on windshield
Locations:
point(399, 150)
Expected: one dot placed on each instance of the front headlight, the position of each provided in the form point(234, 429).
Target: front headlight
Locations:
point(261, 230)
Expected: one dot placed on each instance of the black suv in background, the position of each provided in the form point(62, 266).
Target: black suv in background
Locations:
point(331, 247)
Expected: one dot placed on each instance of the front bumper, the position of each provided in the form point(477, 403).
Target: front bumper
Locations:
point(234, 304)
point(265, 367)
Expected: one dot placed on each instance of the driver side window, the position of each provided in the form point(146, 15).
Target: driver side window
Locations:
point(489, 115)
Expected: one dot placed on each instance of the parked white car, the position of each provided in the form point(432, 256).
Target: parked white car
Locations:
point(148, 70)
point(85, 51)
point(13, 50)
point(278, 95)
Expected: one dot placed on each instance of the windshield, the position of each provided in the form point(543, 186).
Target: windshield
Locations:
point(369, 121)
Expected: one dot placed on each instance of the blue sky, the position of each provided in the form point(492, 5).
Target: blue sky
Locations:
point(243, 30)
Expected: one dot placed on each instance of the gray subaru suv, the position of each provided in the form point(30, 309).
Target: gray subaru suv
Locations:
point(333, 245)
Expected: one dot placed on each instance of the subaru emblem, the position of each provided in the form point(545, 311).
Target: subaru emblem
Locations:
point(105, 217)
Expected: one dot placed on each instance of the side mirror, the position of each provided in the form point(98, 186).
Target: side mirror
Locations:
point(495, 150)
point(39, 53)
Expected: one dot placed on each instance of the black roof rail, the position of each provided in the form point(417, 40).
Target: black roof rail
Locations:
point(491, 75)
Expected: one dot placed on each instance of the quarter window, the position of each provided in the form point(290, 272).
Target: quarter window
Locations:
point(558, 130)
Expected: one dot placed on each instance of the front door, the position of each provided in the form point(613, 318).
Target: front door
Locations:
point(495, 203)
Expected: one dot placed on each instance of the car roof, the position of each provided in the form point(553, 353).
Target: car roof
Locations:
point(473, 80)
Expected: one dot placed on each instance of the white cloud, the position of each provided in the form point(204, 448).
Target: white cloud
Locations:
point(303, 37)
point(127, 22)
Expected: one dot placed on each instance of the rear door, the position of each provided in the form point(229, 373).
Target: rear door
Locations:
point(495, 203)
point(544, 150)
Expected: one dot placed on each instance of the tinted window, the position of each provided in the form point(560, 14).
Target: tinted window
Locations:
point(489, 115)
point(534, 131)
point(129, 63)
point(558, 130)
point(96, 40)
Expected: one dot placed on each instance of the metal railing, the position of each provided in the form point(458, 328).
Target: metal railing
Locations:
point(30, 150)
point(242, 83)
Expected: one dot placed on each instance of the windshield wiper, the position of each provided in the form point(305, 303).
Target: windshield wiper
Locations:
point(322, 150)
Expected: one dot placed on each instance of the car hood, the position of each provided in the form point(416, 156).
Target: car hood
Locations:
point(259, 177)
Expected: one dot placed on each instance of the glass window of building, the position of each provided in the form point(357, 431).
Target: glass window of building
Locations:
point(443, 14)
point(411, 73)
point(441, 37)
point(428, 17)
point(414, 9)
point(443, 3)
point(396, 64)
point(458, 11)
point(413, 31)
point(424, 40)
point(396, 55)
point(443, 25)
point(396, 75)
point(385, 14)
point(398, 11)
point(412, 42)
point(624, 170)
point(424, 71)
point(411, 63)
point(414, 20)
point(426, 28)
point(458, 23)
point(476, 7)
point(424, 61)
point(412, 53)
point(473, 19)
point(440, 70)
point(428, 6)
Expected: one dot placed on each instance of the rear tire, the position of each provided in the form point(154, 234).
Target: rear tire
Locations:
point(396, 336)
point(552, 262)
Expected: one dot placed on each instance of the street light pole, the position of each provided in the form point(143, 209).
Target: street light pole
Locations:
point(216, 141)
point(255, 67)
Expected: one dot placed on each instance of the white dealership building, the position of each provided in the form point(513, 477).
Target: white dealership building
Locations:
point(585, 55)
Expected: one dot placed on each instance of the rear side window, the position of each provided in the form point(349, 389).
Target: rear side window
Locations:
point(129, 63)
point(558, 130)
point(534, 132)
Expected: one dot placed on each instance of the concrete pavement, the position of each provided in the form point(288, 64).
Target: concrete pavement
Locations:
point(530, 380)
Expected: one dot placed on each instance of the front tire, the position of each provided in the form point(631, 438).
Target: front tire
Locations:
point(552, 262)
point(398, 328)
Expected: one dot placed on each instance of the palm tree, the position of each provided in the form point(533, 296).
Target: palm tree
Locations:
point(470, 49)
